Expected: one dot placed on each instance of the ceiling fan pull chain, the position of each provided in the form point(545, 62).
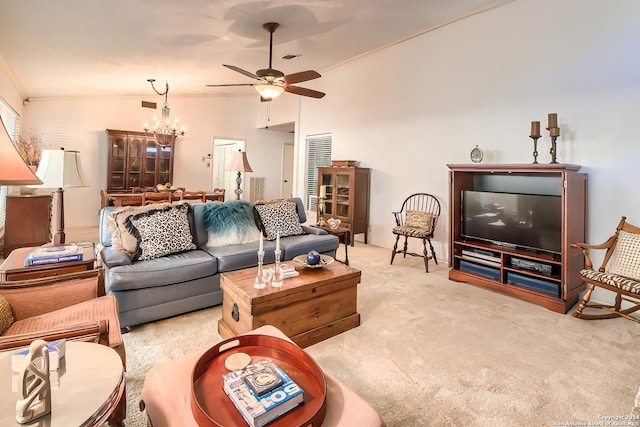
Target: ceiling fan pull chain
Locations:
point(268, 114)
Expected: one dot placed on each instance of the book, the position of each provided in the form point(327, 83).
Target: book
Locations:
point(56, 349)
point(279, 394)
point(49, 251)
point(31, 260)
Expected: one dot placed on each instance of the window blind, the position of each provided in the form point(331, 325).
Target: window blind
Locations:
point(318, 154)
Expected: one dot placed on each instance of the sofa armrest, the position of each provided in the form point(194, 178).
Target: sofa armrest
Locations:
point(112, 258)
point(313, 230)
point(96, 332)
point(30, 298)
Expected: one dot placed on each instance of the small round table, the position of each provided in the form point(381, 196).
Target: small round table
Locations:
point(90, 383)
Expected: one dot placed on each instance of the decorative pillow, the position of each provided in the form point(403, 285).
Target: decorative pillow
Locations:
point(278, 218)
point(121, 239)
point(161, 232)
point(417, 219)
point(6, 315)
point(626, 256)
point(230, 223)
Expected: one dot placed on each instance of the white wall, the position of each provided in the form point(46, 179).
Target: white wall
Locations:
point(410, 110)
point(80, 125)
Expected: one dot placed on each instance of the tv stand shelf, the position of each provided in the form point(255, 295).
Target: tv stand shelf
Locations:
point(539, 276)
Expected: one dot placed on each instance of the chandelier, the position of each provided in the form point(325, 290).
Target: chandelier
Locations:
point(164, 132)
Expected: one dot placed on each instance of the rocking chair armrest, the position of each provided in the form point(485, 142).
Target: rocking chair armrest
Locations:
point(97, 332)
point(586, 247)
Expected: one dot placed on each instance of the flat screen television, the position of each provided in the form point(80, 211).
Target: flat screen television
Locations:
point(529, 221)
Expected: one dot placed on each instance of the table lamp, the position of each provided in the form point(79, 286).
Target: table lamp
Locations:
point(13, 169)
point(239, 163)
point(59, 169)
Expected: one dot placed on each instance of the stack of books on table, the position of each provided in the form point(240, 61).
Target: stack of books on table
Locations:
point(262, 392)
point(53, 254)
point(288, 271)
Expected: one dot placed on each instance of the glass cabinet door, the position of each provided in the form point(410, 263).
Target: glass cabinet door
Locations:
point(164, 165)
point(342, 194)
point(135, 163)
point(118, 154)
point(326, 181)
point(150, 160)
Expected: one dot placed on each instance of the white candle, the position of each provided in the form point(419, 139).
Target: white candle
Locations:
point(260, 248)
point(323, 191)
point(278, 242)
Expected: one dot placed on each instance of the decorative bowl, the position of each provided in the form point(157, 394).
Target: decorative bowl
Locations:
point(301, 261)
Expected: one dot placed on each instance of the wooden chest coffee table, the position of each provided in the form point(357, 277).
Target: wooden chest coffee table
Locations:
point(317, 304)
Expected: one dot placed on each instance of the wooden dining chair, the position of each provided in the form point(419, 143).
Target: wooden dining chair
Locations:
point(193, 195)
point(417, 218)
point(149, 197)
point(143, 189)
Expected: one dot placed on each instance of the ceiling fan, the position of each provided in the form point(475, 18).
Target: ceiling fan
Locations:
point(271, 83)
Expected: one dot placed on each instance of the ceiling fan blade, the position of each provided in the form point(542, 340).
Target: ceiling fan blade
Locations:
point(232, 84)
point(241, 71)
point(300, 77)
point(304, 91)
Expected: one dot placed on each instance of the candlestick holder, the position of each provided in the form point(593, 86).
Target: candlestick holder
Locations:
point(554, 133)
point(321, 222)
point(277, 273)
point(535, 147)
point(259, 282)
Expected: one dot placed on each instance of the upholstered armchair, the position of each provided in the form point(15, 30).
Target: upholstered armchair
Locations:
point(71, 306)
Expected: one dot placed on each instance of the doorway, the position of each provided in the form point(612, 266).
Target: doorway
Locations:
point(223, 150)
point(286, 189)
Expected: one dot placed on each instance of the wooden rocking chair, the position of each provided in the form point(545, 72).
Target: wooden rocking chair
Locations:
point(417, 218)
point(621, 276)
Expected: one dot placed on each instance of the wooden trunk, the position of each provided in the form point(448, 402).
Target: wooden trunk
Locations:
point(317, 304)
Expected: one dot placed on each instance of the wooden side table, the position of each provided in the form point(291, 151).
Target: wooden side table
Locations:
point(344, 236)
point(13, 267)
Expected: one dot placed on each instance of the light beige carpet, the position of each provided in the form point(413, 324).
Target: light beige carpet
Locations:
point(434, 352)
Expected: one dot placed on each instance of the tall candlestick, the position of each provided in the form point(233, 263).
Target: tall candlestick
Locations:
point(261, 248)
point(554, 131)
point(553, 120)
point(535, 129)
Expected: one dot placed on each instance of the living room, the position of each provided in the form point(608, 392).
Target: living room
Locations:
point(407, 111)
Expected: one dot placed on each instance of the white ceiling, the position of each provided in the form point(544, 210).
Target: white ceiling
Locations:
point(89, 48)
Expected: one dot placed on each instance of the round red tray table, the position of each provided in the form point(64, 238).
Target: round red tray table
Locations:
point(212, 407)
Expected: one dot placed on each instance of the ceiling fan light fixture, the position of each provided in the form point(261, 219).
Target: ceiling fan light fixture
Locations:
point(268, 91)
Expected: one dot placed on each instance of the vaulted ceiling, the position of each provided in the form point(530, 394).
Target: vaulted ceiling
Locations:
point(89, 48)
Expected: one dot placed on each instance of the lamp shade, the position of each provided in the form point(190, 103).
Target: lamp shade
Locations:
point(13, 170)
point(60, 169)
point(239, 162)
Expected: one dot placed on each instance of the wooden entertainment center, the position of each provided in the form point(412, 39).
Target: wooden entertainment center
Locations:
point(544, 277)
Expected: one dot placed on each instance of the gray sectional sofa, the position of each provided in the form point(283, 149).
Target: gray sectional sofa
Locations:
point(153, 289)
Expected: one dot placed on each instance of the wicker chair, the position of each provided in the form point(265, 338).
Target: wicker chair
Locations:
point(417, 218)
point(70, 306)
point(619, 273)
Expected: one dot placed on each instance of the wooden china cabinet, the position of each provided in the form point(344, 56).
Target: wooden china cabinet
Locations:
point(135, 160)
point(347, 196)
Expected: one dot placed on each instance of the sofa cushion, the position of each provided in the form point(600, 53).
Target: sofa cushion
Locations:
point(6, 315)
point(121, 238)
point(167, 270)
point(626, 256)
point(230, 223)
point(293, 246)
point(280, 217)
point(161, 232)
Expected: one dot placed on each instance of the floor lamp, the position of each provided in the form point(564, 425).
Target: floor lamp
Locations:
point(13, 170)
point(239, 163)
point(59, 169)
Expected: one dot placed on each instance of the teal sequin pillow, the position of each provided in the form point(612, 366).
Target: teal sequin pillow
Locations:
point(230, 223)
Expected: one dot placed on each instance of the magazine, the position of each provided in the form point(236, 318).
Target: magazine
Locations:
point(262, 392)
